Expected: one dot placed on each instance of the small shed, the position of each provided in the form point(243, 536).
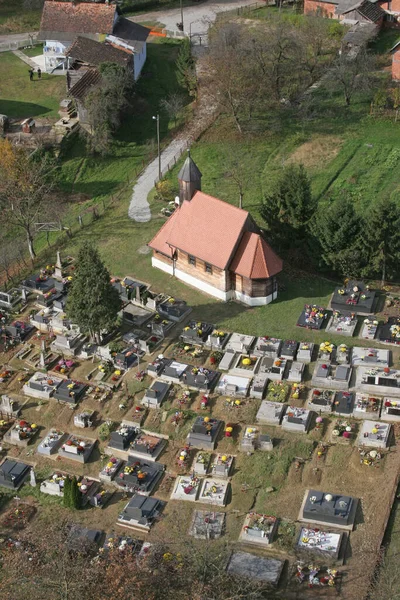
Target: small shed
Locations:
point(28, 126)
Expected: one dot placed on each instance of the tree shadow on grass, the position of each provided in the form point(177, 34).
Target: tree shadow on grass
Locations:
point(23, 110)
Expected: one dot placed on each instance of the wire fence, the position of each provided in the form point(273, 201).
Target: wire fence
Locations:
point(171, 163)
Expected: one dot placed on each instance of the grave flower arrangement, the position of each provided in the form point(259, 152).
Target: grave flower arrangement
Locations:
point(26, 430)
point(296, 390)
point(228, 430)
point(215, 357)
point(278, 391)
point(326, 348)
point(344, 429)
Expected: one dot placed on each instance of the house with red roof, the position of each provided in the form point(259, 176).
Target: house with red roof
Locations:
point(215, 247)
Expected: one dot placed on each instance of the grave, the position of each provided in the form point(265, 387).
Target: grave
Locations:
point(84, 419)
point(323, 542)
point(240, 343)
point(305, 352)
point(77, 448)
point(204, 433)
point(147, 445)
point(10, 300)
point(156, 394)
point(370, 357)
point(200, 378)
point(139, 476)
point(289, 349)
point(51, 442)
point(8, 407)
point(343, 354)
point(54, 486)
point(391, 409)
point(39, 283)
point(13, 474)
point(258, 529)
point(140, 512)
point(129, 289)
point(21, 434)
point(174, 371)
point(175, 310)
point(222, 466)
point(159, 326)
point(342, 323)
point(201, 463)
point(355, 296)
point(207, 525)
point(232, 385)
point(19, 330)
point(227, 360)
point(296, 372)
point(136, 315)
point(69, 343)
point(273, 368)
point(214, 491)
point(369, 328)
point(334, 377)
point(323, 507)
point(121, 439)
point(86, 539)
point(110, 469)
point(343, 404)
point(217, 340)
point(127, 358)
point(197, 332)
point(297, 419)
point(186, 487)
point(245, 365)
point(253, 440)
point(267, 346)
point(321, 400)
point(122, 543)
point(366, 407)
point(374, 435)
point(270, 413)
point(312, 317)
point(258, 386)
point(377, 380)
point(244, 564)
point(88, 489)
point(70, 391)
point(42, 320)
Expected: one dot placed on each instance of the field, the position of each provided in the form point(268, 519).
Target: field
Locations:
point(14, 18)
point(22, 98)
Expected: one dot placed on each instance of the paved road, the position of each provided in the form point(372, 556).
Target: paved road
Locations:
point(199, 15)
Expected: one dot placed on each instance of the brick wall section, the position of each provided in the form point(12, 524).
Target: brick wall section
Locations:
point(396, 65)
point(326, 9)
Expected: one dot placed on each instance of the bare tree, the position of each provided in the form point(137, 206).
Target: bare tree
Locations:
point(351, 72)
point(26, 186)
point(173, 104)
point(237, 171)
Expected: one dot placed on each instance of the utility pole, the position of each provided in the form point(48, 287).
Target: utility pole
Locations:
point(157, 118)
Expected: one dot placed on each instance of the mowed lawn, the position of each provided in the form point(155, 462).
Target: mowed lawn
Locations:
point(22, 98)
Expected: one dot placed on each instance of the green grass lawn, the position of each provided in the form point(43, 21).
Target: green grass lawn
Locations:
point(14, 18)
point(36, 50)
point(21, 98)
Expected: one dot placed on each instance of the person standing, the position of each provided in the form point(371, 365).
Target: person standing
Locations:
point(31, 74)
point(39, 73)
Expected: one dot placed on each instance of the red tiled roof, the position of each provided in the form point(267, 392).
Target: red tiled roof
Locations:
point(255, 259)
point(206, 227)
point(77, 17)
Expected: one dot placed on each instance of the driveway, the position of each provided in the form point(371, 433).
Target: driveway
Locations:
point(196, 18)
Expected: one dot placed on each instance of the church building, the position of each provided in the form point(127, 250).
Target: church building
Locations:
point(215, 247)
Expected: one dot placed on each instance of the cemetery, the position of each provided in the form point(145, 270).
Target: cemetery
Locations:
point(21, 434)
point(259, 529)
point(312, 317)
point(355, 296)
point(207, 525)
point(324, 543)
point(342, 323)
point(167, 446)
point(375, 435)
point(389, 332)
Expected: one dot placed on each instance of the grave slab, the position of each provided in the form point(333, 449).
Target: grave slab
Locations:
point(156, 394)
point(214, 491)
point(207, 525)
point(270, 413)
point(296, 372)
point(342, 323)
point(343, 404)
point(204, 433)
point(258, 529)
point(51, 442)
point(201, 464)
point(324, 508)
point(173, 309)
point(240, 343)
point(366, 407)
point(258, 386)
point(322, 542)
point(147, 445)
point(222, 466)
point(370, 357)
point(273, 368)
point(305, 352)
point(186, 487)
point(376, 380)
point(321, 400)
point(140, 513)
point(333, 377)
point(390, 409)
point(355, 296)
point(139, 476)
point(13, 474)
point(41, 386)
point(54, 486)
point(267, 346)
point(227, 360)
point(312, 317)
point(244, 564)
point(374, 435)
point(297, 419)
point(77, 448)
point(245, 365)
point(110, 469)
point(369, 328)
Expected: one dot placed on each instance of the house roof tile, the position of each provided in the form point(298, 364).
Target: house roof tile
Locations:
point(77, 17)
point(130, 32)
point(90, 78)
point(255, 258)
point(95, 53)
point(205, 227)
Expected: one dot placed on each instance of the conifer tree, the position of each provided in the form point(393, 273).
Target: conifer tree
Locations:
point(67, 492)
point(381, 240)
point(75, 494)
point(93, 303)
point(186, 71)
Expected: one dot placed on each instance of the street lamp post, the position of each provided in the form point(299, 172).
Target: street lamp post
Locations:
point(182, 14)
point(157, 118)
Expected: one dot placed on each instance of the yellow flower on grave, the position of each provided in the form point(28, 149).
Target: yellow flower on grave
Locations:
point(186, 348)
point(186, 328)
point(33, 426)
point(206, 419)
point(229, 429)
point(224, 458)
point(374, 430)
point(171, 300)
point(69, 278)
point(117, 372)
point(295, 385)
point(238, 402)
point(167, 556)
point(110, 465)
point(246, 361)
